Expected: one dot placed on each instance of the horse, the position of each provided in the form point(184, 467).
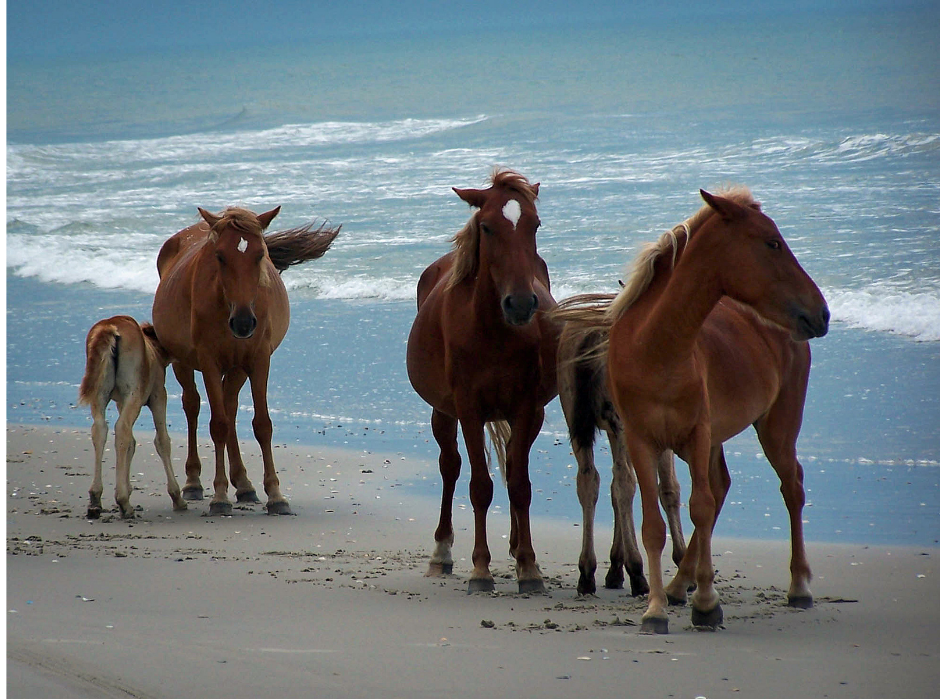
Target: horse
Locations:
point(710, 336)
point(588, 407)
point(482, 352)
point(127, 364)
point(221, 309)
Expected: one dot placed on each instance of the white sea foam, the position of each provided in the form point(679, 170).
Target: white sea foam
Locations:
point(913, 314)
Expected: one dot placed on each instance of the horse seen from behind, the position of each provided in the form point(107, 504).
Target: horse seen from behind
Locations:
point(482, 353)
point(222, 309)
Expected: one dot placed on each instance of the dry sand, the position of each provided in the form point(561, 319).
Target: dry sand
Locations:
point(333, 602)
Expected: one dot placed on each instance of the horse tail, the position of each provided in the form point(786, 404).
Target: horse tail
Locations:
point(101, 348)
point(589, 374)
point(296, 245)
point(500, 432)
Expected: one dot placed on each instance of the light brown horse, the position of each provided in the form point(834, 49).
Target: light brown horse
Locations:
point(482, 352)
point(707, 338)
point(222, 309)
point(127, 364)
point(588, 407)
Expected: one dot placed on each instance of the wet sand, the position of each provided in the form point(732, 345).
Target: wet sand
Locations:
point(333, 602)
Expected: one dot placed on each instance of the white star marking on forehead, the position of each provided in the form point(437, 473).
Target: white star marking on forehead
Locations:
point(512, 211)
point(242, 245)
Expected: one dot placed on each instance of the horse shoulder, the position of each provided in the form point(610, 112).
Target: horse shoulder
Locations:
point(432, 275)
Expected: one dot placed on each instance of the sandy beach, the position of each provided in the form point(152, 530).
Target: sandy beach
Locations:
point(333, 602)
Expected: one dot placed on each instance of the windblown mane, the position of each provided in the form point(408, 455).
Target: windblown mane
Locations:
point(467, 239)
point(644, 265)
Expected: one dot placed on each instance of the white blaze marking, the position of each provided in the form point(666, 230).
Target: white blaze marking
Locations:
point(242, 245)
point(512, 211)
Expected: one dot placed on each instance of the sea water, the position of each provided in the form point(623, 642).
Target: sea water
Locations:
point(834, 124)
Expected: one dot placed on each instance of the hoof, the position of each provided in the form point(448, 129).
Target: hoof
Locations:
point(94, 513)
point(800, 602)
point(480, 585)
point(655, 625)
point(437, 570)
point(281, 507)
point(193, 492)
point(586, 585)
point(676, 601)
point(614, 579)
point(127, 514)
point(220, 508)
point(708, 621)
point(639, 586)
point(533, 586)
point(180, 505)
point(250, 496)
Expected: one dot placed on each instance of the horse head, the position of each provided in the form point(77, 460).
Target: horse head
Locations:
point(237, 237)
point(762, 272)
point(503, 234)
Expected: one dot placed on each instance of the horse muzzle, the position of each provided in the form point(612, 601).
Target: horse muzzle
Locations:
point(242, 323)
point(810, 325)
point(518, 309)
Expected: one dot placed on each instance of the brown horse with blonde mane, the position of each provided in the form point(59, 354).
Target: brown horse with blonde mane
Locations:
point(710, 336)
point(482, 353)
point(222, 309)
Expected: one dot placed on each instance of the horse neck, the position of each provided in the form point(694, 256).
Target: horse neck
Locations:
point(679, 300)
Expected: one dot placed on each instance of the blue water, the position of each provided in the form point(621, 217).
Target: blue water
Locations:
point(834, 124)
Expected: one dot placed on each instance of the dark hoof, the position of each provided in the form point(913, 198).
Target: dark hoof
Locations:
point(675, 601)
point(437, 570)
point(282, 507)
point(480, 585)
point(193, 492)
point(655, 625)
point(249, 496)
point(531, 587)
point(801, 602)
point(614, 579)
point(220, 509)
point(639, 586)
point(94, 513)
point(709, 621)
point(586, 585)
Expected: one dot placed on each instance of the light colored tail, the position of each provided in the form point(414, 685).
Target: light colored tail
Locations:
point(500, 432)
point(101, 349)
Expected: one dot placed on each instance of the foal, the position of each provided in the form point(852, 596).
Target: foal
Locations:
point(127, 364)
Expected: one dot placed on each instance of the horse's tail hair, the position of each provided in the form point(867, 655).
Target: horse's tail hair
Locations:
point(102, 348)
point(296, 245)
point(500, 432)
point(588, 373)
point(583, 315)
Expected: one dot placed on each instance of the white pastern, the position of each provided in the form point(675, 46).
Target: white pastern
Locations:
point(512, 211)
point(242, 245)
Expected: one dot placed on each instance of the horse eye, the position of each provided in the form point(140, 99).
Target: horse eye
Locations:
point(773, 244)
point(485, 228)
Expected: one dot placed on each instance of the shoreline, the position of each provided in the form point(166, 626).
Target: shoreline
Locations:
point(333, 601)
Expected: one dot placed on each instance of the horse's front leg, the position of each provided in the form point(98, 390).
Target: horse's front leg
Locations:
point(231, 387)
point(192, 489)
point(263, 428)
point(525, 428)
point(219, 427)
point(703, 509)
point(481, 496)
point(444, 428)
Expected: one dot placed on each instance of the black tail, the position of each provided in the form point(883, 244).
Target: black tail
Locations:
point(588, 376)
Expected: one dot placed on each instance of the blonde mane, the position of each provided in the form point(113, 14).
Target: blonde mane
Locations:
point(467, 240)
point(644, 266)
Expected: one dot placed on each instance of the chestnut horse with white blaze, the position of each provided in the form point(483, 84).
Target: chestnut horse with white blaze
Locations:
point(482, 353)
point(709, 337)
point(222, 309)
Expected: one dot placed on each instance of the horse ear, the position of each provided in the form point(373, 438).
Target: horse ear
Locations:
point(266, 218)
point(726, 208)
point(209, 218)
point(535, 190)
point(474, 197)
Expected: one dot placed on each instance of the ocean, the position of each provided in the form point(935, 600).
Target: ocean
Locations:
point(833, 123)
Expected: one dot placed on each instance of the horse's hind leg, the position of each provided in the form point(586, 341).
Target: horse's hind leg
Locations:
point(589, 483)
point(125, 445)
point(670, 498)
point(238, 474)
point(192, 489)
point(444, 428)
point(161, 442)
point(99, 437)
point(624, 551)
